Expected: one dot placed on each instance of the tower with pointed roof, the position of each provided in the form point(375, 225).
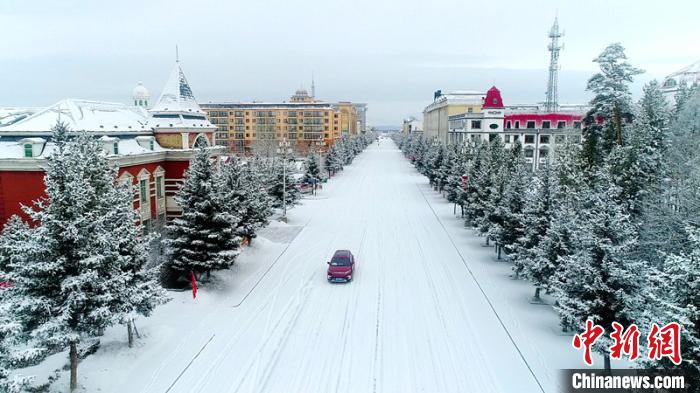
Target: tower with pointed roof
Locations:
point(177, 119)
point(493, 111)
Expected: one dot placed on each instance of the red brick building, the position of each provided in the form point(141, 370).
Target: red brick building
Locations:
point(152, 148)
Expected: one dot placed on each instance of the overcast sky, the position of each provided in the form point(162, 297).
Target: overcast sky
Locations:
point(391, 54)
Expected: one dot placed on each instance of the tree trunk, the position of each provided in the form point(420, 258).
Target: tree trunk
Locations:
point(130, 333)
point(617, 121)
point(454, 209)
point(487, 240)
point(498, 246)
point(537, 294)
point(135, 329)
point(606, 361)
point(73, 366)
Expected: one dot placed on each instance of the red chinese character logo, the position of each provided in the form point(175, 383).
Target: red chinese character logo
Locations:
point(625, 341)
point(665, 342)
point(587, 339)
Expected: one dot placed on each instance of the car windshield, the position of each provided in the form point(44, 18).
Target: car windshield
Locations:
point(340, 261)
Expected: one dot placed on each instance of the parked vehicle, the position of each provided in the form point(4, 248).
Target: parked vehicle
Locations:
point(341, 268)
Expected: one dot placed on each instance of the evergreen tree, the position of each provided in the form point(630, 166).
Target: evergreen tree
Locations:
point(674, 298)
point(556, 241)
point(514, 202)
point(204, 237)
point(260, 203)
point(611, 105)
point(537, 214)
point(312, 168)
point(598, 281)
point(77, 273)
point(282, 183)
point(479, 186)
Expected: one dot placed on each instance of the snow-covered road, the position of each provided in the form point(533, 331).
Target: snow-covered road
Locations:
point(413, 320)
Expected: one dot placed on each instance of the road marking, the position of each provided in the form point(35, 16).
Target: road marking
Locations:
point(488, 300)
point(190, 363)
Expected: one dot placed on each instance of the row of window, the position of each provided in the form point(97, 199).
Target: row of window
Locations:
point(270, 113)
point(270, 128)
point(546, 124)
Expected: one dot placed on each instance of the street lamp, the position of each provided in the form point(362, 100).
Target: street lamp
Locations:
point(319, 145)
point(284, 149)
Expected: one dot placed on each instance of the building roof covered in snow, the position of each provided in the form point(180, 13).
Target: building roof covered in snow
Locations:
point(177, 107)
point(689, 75)
point(83, 115)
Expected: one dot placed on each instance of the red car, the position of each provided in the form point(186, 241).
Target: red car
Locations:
point(341, 267)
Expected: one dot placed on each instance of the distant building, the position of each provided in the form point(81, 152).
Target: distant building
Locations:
point(437, 113)
point(689, 76)
point(303, 121)
point(411, 125)
point(539, 131)
point(152, 149)
point(361, 110)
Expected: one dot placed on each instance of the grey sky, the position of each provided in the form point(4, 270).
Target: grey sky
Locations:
point(391, 54)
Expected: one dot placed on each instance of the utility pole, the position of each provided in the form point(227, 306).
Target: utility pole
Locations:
point(284, 147)
point(552, 99)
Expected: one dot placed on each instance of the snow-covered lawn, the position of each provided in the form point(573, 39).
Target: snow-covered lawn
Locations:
point(430, 310)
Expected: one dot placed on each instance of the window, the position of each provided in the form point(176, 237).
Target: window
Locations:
point(561, 124)
point(28, 150)
point(507, 138)
point(493, 126)
point(470, 110)
point(559, 139)
point(544, 138)
point(546, 124)
point(530, 124)
point(508, 124)
point(492, 137)
point(577, 124)
point(116, 147)
point(151, 144)
point(159, 187)
point(529, 153)
point(543, 153)
point(517, 124)
point(145, 224)
point(476, 124)
point(529, 139)
point(143, 190)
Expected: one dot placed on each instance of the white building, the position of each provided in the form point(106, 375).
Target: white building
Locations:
point(689, 76)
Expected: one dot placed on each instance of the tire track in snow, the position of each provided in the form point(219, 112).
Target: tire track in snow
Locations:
point(483, 293)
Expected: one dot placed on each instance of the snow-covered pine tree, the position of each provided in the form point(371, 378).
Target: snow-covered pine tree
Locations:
point(276, 191)
point(312, 168)
point(204, 237)
point(69, 279)
point(443, 172)
point(479, 185)
point(557, 240)
point(436, 164)
point(497, 173)
point(598, 281)
point(668, 207)
point(673, 297)
point(639, 168)
point(334, 160)
point(610, 106)
point(260, 203)
point(138, 288)
point(514, 201)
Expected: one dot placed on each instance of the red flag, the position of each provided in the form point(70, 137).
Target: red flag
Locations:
point(194, 285)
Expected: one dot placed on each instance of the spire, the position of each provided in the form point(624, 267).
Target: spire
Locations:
point(177, 55)
point(313, 86)
point(552, 99)
point(177, 94)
